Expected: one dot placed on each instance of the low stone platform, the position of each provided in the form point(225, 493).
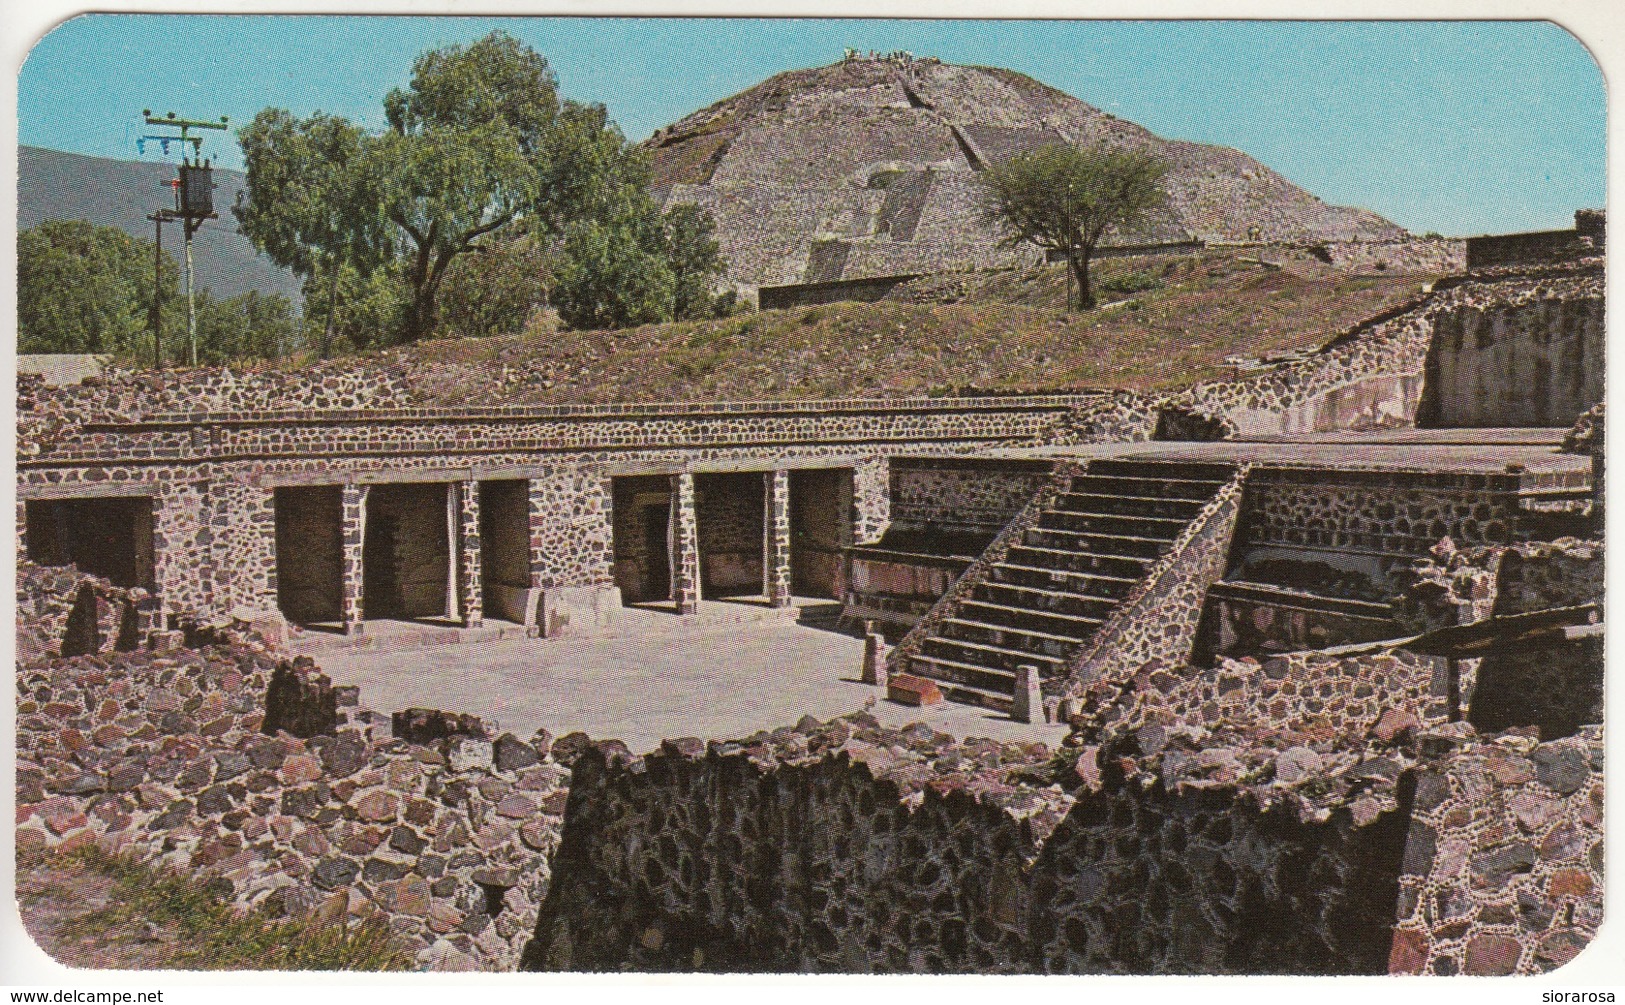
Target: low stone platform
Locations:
point(1453, 451)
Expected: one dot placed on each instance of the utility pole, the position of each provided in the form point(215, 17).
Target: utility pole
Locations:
point(194, 197)
point(156, 318)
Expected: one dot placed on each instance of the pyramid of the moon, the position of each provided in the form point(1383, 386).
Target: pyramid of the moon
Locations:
point(868, 168)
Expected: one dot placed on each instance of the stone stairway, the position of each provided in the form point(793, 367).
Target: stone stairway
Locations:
point(1055, 586)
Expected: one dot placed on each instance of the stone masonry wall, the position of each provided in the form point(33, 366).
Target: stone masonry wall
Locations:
point(1369, 376)
point(214, 533)
point(961, 495)
point(1321, 696)
point(1544, 574)
point(1384, 513)
point(827, 847)
point(1535, 363)
point(1503, 862)
point(162, 755)
point(843, 846)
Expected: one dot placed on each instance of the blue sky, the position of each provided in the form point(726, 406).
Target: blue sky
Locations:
point(1456, 127)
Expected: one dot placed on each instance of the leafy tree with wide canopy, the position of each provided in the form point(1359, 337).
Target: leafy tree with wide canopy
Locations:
point(1066, 198)
point(481, 160)
point(311, 208)
point(480, 141)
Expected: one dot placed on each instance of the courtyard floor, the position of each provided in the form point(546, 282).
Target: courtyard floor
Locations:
point(652, 676)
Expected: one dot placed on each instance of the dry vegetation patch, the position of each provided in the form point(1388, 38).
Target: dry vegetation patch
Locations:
point(89, 909)
point(1163, 323)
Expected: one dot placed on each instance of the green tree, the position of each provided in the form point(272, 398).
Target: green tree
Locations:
point(310, 205)
point(86, 289)
point(370, 309)
point(614, 274)
point(250, 325)
point(640, 267)
point(479, 141)
point(694, 258)
point(482, 160)
point(1065, 199)
point(496, 289)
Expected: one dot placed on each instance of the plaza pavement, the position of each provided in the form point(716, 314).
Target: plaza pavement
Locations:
point(653, 676)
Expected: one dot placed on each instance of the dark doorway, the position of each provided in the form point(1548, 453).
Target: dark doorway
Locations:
point(109, 537)
point(310, 553)
point(505, 548)
point(657, 545)
point(641, 522)
point(728, 523)
point(820, 527)
point(406, 552)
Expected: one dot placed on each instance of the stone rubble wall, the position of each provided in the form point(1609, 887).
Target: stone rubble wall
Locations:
point(1452, 586)
point(827, 847)
point(1311, 697)
point(1197, 878)
point(843, 846)
point(1421, 255)
point(1540, 575)
point(163, 756)
point(1502, 871)
point(1559, 687)
point(300, 700)
point(1402, 256)
point(60, 609)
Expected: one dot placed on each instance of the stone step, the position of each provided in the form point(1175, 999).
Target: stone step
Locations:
point(1084, 584)
point(1216, 473)
point(967, 682)
point(1112, 545)
point(1126, 485)
point(1022, 617)
point(1046, 600)
point(1053, 589)
point(1029, 642)
point(1063, 560)
point(1156, 527)
point(989, 655)
point(1125, 505)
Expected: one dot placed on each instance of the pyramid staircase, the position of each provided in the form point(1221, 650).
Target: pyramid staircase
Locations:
point(1042, 601)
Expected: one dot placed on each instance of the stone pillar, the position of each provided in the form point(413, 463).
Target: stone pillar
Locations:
point(776, 539)
point(685, 545)
point(22, 529)
point(871, 499)
point(874, 658)
point(263, 523)
point(355, 529)
point(1029, 703)
point(470, 599)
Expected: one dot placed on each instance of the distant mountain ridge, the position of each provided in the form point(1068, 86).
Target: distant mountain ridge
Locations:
point(55, 185)
point(868, 167)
